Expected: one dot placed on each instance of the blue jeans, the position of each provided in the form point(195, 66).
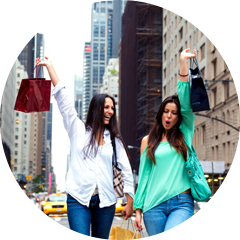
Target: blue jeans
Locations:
point(169, 214)
point(80, 217)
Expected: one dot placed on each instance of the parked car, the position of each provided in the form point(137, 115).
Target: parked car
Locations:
point(55, 204)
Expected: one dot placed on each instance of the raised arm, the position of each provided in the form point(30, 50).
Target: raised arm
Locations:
point(184, 92)
point(65, 104)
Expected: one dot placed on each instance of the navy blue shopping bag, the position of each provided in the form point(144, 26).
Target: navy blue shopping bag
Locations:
point(199, 97)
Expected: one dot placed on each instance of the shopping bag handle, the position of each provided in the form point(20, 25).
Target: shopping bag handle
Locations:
point(192, 61)
point(128, 223)
point(36, 71)
point(135, 231)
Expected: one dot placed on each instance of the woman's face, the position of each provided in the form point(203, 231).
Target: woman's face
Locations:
point(108, 110)
point(169, 116)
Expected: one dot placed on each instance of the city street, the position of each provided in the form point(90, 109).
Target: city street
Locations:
point(63, 220)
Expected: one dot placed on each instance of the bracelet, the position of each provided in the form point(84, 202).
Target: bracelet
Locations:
point(182, 75)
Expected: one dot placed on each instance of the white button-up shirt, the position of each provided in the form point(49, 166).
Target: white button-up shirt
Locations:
point(87, 172)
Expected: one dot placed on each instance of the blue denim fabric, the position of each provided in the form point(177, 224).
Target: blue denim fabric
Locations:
point(81, 217)
point(169, 214)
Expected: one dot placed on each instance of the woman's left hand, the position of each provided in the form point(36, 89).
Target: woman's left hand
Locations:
point(185, 54)
point(127, 211)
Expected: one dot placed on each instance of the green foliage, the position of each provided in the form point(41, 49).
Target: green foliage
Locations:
point(37, 182)
point(113, 72)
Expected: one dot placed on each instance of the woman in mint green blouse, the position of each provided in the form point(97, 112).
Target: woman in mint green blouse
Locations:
point(163, 194)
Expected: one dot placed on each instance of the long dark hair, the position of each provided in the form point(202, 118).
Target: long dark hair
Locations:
point(174, 136)
point(95, 123)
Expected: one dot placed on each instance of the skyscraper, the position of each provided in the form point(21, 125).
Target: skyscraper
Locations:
point(140, 68)
point(34, 49)
point(98, 44)
point(78, 93)
point(118, 10)
point(86, 79)
point(46, 152)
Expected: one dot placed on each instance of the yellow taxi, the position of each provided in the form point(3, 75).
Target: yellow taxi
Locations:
point(55, 204)
point(120, 206)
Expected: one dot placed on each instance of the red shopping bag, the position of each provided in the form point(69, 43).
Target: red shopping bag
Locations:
point(33, 95)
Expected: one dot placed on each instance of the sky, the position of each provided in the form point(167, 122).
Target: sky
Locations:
point(67, 60)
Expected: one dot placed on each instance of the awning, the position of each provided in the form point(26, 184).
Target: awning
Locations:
point(209, 166)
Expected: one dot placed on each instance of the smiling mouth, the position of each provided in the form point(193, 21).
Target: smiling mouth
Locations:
point(107, 118)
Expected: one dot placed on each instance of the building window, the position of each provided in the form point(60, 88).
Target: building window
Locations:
point(175, 22)
point(197, 137)
point(15, 153)
point(16, 129)
point(194, 38)
point(180, 50)
point(226, 90)
point(165, 38)
point(214, 68)
point(186, 27)
point(224, 152)
point(203, 73)
point(180, 35)
point(223, 118)
point(203, 134)
point(212, 47)
point(216, 126)
point(16, 144)
point(213, 157)
point(175, 41)
point(212, 128)
point(165, 21)
point(216, 153)
point(214, 97)
point(202, 52)
point(16, 137)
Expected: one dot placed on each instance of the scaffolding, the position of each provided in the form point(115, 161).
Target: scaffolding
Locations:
point(149, 66)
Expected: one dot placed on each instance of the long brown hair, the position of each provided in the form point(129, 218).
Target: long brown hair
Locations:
point(174, 136)
point(95, 123)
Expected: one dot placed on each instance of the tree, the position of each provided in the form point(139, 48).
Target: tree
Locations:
point(113, 72)
point(37, 182)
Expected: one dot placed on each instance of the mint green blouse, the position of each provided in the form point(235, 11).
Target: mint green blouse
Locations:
point(168, 178)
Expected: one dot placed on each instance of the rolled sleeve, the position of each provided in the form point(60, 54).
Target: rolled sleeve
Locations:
point(124, 164)
point(66, 107)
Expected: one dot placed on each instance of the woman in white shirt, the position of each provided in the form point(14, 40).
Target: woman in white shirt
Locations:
point(89, 185)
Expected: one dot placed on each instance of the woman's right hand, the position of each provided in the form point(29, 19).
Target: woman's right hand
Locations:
point(138, 220)
point(47, 63)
